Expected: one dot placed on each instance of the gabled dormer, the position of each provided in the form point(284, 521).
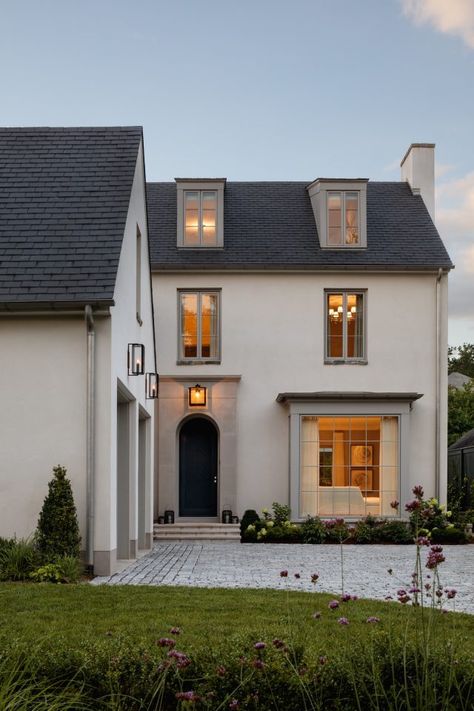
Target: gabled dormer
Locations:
point(340, 211)
point(200, 218)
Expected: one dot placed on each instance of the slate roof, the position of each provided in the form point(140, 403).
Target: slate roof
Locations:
point(271, 226)
point(64, 197)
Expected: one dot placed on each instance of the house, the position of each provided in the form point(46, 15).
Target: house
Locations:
point(75, 291)
point(301, 340)
point(313, 318)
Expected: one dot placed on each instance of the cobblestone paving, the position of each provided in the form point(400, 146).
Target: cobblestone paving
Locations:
point(233, 565)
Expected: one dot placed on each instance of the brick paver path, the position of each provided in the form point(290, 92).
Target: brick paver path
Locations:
point(233, 565)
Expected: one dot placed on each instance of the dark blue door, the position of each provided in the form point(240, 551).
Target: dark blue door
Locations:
point(198, 468)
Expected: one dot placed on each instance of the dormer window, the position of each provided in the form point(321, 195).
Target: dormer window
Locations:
point(200, 217)
point(343, 218)
point(340, 211)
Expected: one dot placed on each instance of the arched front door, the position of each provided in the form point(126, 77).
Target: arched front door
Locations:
point(198, 468)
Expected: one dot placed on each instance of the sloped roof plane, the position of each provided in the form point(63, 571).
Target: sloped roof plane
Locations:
point(64, 198)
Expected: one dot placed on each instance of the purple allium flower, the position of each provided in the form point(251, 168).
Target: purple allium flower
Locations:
point(316, 615)
point(343, 621)
point(175, 630)
point(182, 661)
point(418, 491)
point(422, 541)
point(388, 597)
point(258, 664)
point(259, 645)
point(450, 592)
point(278, 643)
point(435, 557)
point(373, 620)
point(413, 505)
point(297, 576)
point(283, 574)
point(414, 590)
point(333, 605)
point(187, 696)
point(314, 578)
point(439, 593)
point(354, 598)
point(166, 642)
point(234, 704)
point(346, 597)
point(395, 504)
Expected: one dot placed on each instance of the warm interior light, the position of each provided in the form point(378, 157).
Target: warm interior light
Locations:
point(197, 395)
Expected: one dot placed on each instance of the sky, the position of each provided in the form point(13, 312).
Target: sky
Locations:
point(263, 90)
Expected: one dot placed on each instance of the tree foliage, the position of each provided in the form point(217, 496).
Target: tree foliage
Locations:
point(460, 412)
point(58, 529)
point(461, 359)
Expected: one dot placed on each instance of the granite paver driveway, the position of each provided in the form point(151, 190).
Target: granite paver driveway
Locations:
point(236, 565)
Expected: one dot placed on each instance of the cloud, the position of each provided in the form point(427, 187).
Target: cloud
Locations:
point(453, 17)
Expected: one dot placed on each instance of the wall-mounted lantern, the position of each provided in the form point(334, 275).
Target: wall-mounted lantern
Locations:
point(197, 396)
point(136, 359)
point(151, 385)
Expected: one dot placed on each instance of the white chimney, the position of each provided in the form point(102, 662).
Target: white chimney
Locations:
point(418, 170)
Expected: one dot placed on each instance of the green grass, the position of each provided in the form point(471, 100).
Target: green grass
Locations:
point(208, 617)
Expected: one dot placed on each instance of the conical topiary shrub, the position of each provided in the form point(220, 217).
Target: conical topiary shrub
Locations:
point(58, 529)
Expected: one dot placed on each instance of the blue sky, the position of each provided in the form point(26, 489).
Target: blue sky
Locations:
point(260, 89)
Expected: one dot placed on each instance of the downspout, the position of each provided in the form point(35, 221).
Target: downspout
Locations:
point(438, 386)
point(90, 437)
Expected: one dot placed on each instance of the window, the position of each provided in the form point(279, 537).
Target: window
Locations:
point(138, 275)
point(349, 465)
point(199, 326)
point(200, 217)
point(343, 218)
point(345, 326)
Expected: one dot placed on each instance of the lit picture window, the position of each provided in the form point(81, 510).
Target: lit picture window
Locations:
point(200, 218)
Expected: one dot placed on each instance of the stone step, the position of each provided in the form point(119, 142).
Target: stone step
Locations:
point(187, 531)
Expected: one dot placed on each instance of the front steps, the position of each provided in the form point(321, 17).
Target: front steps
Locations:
point(196, 532)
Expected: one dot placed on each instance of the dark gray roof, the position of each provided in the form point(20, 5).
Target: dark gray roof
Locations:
point(467, 440)
point(272, 226)
point(353, 395)
point(64, 197)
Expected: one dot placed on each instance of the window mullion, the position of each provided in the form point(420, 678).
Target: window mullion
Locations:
point(344, 325)
point(199, 325)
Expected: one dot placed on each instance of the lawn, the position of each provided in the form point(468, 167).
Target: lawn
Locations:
point(109, 637)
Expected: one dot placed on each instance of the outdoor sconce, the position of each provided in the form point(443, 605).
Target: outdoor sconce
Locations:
point(197, 395)
point(151, 385)
point(136, 359)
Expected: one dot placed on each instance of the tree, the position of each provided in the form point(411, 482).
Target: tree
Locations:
point(460, 412)
point(461, 359)
point(58, 529)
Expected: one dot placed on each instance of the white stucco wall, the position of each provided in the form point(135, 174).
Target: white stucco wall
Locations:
point(42, 417)
point(273, 336)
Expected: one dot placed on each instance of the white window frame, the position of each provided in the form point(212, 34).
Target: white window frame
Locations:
point(184, 185)
point(328, 359)
point(343, 195)
point(199, 359)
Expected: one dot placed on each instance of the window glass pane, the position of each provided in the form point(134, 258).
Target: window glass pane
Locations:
point(191, 200)
point(334, 218)
point(355, 326)
point(209, 200)
point(335, 325)
point(189, 326)
point(334, 235)
point(352, 218)
point(191, 218)
point(209, 233)
point(334, 201)
point(209, 326)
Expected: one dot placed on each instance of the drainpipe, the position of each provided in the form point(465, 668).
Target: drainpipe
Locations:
point(90, 437)
point(438, 387)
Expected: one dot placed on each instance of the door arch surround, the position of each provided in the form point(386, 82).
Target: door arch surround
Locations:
point(198, 467)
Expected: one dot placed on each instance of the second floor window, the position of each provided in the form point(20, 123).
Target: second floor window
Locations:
point(343, 218)
point(345, 326)
point(200, 218)
point(199, 326)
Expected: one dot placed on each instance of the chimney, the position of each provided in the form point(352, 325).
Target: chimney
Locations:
point(418, 170)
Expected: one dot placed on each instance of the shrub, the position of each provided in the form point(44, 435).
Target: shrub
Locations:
point(66, 570)
point(287, 533)
point(395, 532)
point(17, 559)
point(448, 535)
point(58, 529)
point(337, 530)
point(366, 530)
point(250, 517)
point(313, 530)
point(281, 513)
